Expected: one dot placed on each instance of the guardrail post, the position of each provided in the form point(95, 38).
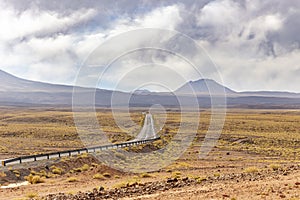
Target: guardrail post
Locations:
point(125, 144)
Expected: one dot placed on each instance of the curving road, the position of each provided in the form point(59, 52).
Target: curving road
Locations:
point(147, 134)
point(147, 131)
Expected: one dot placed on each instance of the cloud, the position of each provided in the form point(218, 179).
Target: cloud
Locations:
point(33, 22)
point(279, 73)
point(42, 57)
point(219, 13)
point(162, 18)
point(166, 17)
point(56, 56)
point(254, 43)
point(34, 44)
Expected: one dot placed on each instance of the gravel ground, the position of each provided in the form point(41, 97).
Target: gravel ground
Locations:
point(134, 190)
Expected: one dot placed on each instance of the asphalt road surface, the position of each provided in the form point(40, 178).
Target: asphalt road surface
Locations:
point(147, 131)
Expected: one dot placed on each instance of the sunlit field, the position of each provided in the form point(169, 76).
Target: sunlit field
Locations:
point(274, 133)
point(254, 145)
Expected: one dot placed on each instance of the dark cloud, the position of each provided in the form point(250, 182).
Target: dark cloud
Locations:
point(253, 36)
point(288, 36)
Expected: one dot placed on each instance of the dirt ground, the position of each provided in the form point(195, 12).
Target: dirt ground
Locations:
point(283, 187)
point(212, 178)
point(257, 157)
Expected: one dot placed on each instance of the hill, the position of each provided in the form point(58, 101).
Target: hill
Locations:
point(204, 87)
point(21, 92)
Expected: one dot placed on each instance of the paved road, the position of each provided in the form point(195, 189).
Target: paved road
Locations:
point(147, 131)
point(147, 134)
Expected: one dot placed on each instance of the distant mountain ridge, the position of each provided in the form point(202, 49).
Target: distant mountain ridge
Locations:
point(14, 84)
point(204, 87)
point(14, 90)
point(211, 87)
point(17, 91)
point(270, 94)
point(142, 91)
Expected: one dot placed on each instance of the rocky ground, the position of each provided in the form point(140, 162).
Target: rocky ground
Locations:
point(222, 175)
point(273, 184)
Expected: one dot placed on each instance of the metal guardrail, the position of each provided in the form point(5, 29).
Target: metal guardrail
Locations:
point(60, 154)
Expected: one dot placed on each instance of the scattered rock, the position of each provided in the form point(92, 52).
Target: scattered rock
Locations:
point(170, 180)
point(282, 196)
point(137, 189)
point(226, 196)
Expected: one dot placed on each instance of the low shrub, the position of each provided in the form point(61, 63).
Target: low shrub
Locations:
point(275, 167)
point(85, 167)
point(145, 175)
point(251, 170)
point(72, 179)
point(32, 195)
point(98, 176)
point(34, 179)
point(57, 170)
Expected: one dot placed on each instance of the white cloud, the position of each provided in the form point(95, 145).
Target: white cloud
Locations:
point(164, 18)
point(41, 58)
point(255, 43)
point(56, 57)
point(262, 25)
point(147, 67)
point(249, 72)
point(219, 13)
point(85, 44)
point(161, 18)
point(33, 45)
point(17, 25)
point(246, 55)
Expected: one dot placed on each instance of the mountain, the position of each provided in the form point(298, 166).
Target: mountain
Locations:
point(14, 84)
point(204, 87)
point(21, 92)
point(14, 90)
point(142, 91)
point(270, 94)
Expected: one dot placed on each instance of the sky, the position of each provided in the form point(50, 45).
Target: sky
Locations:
point(252, 44)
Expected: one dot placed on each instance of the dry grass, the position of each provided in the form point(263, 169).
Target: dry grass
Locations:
point(265, 140)
point(32, 195)
point(99, 176)
point(275, 167)
point(57, 170)
point(271, 133)
point(54, 130)
point(145, 175)
point(72, 179)
point(274, 133)
point(34, 179)
point(252, 169)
